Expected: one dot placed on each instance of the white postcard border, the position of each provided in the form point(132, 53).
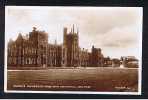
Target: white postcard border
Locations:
point(72, 92)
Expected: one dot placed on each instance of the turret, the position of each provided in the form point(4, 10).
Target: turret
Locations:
point(55, 42)
point(65, 30)
point(73, 29)
point(34, 28)
point(77, 30)
point(65, 34)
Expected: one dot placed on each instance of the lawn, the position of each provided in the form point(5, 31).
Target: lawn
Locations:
point(80, 79)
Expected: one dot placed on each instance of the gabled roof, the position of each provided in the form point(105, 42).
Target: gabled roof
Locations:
point(20, 37)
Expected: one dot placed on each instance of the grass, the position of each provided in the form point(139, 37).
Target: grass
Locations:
point(80, 79)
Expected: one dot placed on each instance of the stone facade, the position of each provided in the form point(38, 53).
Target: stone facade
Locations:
point(33, 50)
point(85, 58)
point(130, 61)
point(96, 57)
point(71, 48)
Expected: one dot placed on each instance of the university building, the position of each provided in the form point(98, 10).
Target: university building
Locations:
point(33, 50)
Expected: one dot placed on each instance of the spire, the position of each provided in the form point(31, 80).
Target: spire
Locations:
point(73, 28)
point(93, 46)
point(77, 30)
point(65, 30)
point(55, 42)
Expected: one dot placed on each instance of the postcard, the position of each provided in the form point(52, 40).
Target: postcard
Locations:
point(73, 50)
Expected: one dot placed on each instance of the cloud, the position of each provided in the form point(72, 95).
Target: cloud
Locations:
point(120, 37)
point(100, 21)
point(110, 28)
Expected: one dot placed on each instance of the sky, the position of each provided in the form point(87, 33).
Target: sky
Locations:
point(116, 30)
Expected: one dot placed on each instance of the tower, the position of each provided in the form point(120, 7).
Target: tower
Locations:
point(73, 29)
point(70, 48)
point(40, 41)
point(64, 33)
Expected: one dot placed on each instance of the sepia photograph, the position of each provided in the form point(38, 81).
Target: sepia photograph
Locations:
point(73, 50)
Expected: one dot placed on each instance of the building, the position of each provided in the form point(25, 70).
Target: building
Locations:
point(85, 58)
point(107, 62)
point(71, 48)
point(33, 50)
point(54, 55)
point(116, 62)
point(96, 57)
point(129, 61)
